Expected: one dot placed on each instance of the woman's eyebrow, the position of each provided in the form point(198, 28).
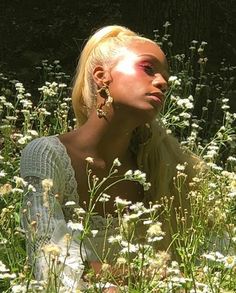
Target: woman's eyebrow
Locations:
point(150, 55)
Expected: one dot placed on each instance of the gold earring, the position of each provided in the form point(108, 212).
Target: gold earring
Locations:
point(100, 112)
point(105, 93)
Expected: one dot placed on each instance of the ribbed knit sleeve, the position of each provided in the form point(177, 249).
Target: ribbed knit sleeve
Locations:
point(41, 159)
point(42, 216)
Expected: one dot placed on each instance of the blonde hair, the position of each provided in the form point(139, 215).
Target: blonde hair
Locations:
point(101, 49)
point(161, 152)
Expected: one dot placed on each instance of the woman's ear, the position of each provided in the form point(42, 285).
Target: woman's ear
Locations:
point(101, 76)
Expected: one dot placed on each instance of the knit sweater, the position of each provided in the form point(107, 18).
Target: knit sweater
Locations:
point(48, 215)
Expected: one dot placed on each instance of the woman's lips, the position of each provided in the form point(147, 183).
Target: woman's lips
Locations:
point(157, 97)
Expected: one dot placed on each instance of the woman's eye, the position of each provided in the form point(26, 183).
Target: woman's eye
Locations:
point(149, 69)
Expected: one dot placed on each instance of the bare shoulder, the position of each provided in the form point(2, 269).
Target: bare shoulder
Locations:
point(68, 138)
point(71, 142)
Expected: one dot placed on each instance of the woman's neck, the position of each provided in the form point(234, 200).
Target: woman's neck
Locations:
point(105, 139)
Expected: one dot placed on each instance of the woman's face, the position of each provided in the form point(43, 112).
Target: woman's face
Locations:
point(139, 80)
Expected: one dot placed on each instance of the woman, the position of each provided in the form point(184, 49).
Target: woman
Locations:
point(118, 93)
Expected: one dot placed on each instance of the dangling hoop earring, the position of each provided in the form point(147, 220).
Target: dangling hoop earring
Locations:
point(104, 93)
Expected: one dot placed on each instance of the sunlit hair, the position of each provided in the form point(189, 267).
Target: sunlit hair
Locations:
point(100, 49)
point(158, 153)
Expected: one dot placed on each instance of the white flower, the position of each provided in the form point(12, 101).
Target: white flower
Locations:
point(8, 276)
point(225, 107)
point(225, 100)
point(214, 256)
point(212, 185)
point(20, 182)
point(114, 239)
point(70, 203)
point(128, 247)
point(172, 78)
point(94, 232)
point(116, 162)
point(139, 176)
point(136, 206)
point(189, 105)
point(43, 111)
point(33, 132)
point(11, 118)
point(185, 103)
point(194, 125)
point(128, 174)
point(232, 194)
point(185, 115)
point(121, 261)
point(166, 24)
point(147, 222)
point(155, 230)
point(146, 186)
point(190, 97)
point(214, 166)
point(231, 159)
point(131, 217)
point(3, 268)
point(75, 226)
point(17, 190)
point(2, 173)
point(19, 85)
point(104, 197)
point(62, 85)
point(122, 202)
point(26, 104)
point(31, 188)
point(2, 99)
point(3, 241)
point(24, 139)
point(49, 89)
point(9, 105)
point(229, 261)
point(154, 239)
point(90, 160)
point(79, 211)
point(180, 167)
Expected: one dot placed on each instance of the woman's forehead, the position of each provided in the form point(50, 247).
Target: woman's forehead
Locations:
point(128, 55)
point(144, 46)
point(139, 48)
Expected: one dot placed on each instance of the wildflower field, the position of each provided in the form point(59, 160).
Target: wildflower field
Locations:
point(197, 111)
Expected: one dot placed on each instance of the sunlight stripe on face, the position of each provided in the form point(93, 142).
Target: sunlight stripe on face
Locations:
point(126, 62)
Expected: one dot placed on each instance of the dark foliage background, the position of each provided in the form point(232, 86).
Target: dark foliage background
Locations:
point(34, 30)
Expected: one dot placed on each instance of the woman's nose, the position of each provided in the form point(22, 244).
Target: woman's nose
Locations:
point(160, 82)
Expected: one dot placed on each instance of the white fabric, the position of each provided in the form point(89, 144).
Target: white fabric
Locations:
point(47, 158)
